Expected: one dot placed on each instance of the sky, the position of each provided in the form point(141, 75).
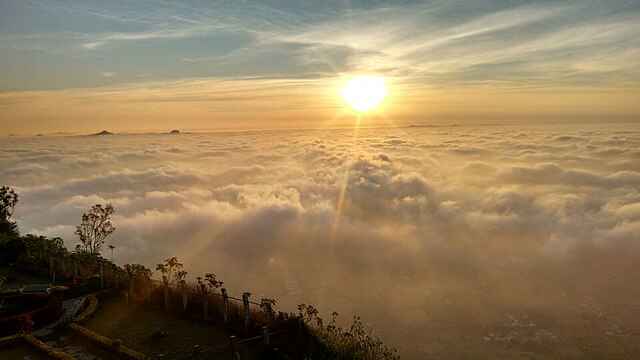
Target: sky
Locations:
point(83, 66)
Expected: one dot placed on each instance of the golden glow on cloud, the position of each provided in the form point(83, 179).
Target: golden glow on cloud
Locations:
point(364, 93)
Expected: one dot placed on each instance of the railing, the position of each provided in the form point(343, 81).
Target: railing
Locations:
point(257, 327)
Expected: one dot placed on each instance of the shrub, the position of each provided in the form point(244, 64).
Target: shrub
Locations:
point(354, 342)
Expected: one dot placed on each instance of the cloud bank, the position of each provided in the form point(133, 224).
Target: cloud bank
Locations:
point(430, 233)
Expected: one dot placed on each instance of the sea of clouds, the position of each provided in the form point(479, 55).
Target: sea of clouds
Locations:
point(445, 239)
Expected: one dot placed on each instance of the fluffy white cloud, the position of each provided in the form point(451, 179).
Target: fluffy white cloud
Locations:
point(418, 229)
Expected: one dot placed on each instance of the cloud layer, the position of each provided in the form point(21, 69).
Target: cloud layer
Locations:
point(431, 234)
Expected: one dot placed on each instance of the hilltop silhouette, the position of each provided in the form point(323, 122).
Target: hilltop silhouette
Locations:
point(103, 133)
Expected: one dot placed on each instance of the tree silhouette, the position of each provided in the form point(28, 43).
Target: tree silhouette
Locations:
point(212, 281)
point(181, 278)
point(139, 276)
point(137, 271)
point(96, 226)
point(170, 268)
point(8, 202)
point(201, 286)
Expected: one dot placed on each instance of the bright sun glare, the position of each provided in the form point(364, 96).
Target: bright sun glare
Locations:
point(364, 93)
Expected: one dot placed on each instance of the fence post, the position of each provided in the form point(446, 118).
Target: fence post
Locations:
point(225, 304)
point(265, 335)
point(64, 267)
point(234, 353)
point(51, 267)
point(247, 311)
point(205, 305)
point(185, 299)
point(166, 296)
point(131, 287)
point(301, 343)
point(101, 275)
point(268, 308)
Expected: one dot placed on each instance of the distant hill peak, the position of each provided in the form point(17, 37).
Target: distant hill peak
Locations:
point(103, 132)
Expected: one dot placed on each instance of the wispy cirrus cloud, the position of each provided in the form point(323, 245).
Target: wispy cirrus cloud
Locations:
point(429, 50)
point(442, 40)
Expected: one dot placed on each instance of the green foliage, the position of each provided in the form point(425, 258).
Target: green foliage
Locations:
point(137, 271)
point(8, 202)
point(181, 276)
point(29, 248)
point(170, 269)
point(8, 227)
point(354, 342)
point(212, 282)
point(51, 246)
point(267, 305)
point(139, 278)
point(202, 287)
point(11, 248)
point(95, 227)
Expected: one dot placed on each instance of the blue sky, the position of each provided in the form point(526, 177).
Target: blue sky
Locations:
point(61, 44)
point(54, 45)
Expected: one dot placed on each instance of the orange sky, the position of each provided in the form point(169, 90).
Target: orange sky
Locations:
point(251, 104)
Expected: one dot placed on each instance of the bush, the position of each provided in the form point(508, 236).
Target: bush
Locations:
point(11, 247)
point(334, 342)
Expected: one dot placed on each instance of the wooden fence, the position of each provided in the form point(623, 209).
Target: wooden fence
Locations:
point(258, 328)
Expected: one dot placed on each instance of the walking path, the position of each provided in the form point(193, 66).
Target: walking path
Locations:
point(71, 308)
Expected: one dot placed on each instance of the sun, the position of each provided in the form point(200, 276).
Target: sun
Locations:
point(364, 93)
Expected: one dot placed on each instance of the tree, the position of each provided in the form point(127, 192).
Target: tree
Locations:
point(96, 226)
point(181, 278)
point(41, 247)
point(267, 304)
point(170, 268)
point(8, 202)
point(139, 278)
point(212, 281)
point(137, 271)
